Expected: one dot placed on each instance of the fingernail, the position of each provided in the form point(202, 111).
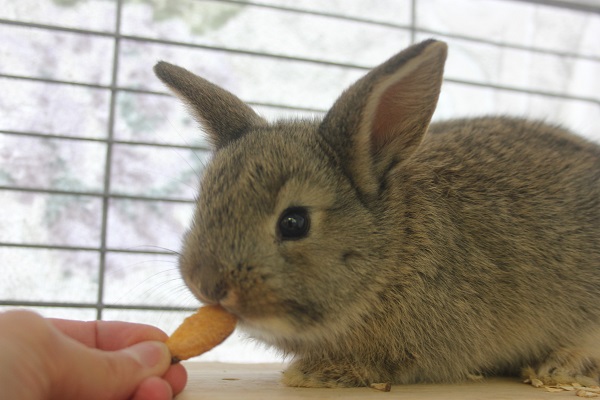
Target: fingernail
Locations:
point(149, 354)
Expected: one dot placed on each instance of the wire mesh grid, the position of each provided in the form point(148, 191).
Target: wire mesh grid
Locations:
point(92, 206)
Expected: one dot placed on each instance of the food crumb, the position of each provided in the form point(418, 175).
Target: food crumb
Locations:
point(585, 393)
point(579, 389)
point(537, 383)
point(384, 387)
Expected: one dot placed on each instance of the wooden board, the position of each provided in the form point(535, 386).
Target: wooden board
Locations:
point(262, 381)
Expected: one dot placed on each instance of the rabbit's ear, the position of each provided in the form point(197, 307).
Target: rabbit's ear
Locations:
point(223, 115)
point(380, 120)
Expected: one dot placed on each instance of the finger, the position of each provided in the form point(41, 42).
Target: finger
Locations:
point(176, 376)
point(108, 335)
point(112, 335)
point(153, 388)
point(94, 374)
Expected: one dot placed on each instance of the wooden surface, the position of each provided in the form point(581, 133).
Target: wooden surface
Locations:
point(262, 381)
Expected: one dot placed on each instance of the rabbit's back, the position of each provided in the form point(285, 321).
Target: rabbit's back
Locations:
point(515, 190)
point(501, 224)
point(527, 172)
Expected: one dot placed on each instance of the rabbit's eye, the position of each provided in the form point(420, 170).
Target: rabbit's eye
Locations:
point(294, 223)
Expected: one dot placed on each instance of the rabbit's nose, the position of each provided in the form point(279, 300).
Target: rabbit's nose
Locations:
point(212, 285)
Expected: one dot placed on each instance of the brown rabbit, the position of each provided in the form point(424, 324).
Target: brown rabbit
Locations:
point(373, 247)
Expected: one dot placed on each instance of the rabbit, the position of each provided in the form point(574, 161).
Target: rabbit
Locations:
point(374, 246)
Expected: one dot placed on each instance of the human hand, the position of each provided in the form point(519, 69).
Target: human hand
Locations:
point(44, 359)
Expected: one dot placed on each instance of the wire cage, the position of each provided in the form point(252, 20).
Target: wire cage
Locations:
point(99, 164)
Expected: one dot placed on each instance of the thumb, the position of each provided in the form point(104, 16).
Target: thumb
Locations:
point(95, 374)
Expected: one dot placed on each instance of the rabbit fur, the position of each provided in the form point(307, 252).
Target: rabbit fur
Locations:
point(434, 253)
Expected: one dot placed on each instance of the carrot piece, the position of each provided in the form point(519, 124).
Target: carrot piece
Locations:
point(200, 332)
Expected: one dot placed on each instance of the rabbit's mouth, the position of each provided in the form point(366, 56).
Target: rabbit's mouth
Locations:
point(273, 317)
point(266, 306)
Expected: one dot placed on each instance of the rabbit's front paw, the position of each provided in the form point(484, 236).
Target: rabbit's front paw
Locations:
point(324, 375)
point(565, 366)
